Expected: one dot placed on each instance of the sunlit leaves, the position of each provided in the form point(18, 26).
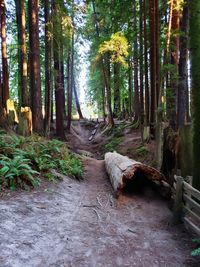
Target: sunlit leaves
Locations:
point(117, 47)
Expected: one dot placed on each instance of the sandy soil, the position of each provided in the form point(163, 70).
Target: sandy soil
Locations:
point(73, 223)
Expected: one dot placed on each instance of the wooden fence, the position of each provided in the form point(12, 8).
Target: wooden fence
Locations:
point(186, 204)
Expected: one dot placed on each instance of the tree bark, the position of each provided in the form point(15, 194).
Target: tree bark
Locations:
point(141, 64)
point(48, 73)
point(22, 61)
point(183, 75)
point(194, 7)
point(146, 66)
point(57, 72)
point(136, 87)
point(5, 74)
point(116, 77)
point(35, 78)
point(78, 107)
point(71, 79)
point(122, 170)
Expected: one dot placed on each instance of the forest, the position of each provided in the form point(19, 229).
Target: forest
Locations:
point(91, 90)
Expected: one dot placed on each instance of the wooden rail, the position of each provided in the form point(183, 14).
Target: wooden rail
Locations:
point(186, 204)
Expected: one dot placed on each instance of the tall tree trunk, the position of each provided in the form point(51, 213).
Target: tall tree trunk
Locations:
point(116, 77)
point(153, 60)
point(77, 101)
point(141, 64)
point(105, 75)
point(130, 87)
point(183, 76)
point(175, 25)
point(35, 79)
point(71, 78)
point(146, 66)
point(22, 61)
point(194, 7)
point(136, 87)
point(5, 85)
point(57, 71)
point(48, 76)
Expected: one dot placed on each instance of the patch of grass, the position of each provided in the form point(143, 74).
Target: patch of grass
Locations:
point(23, 159)
point(141, 151)
point(112, 144)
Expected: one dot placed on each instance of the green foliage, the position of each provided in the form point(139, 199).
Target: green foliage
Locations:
point(112, 144)
point(117, 46)
point(22, 158)
point(141, 151)
point(16, 171)
point(196, 251)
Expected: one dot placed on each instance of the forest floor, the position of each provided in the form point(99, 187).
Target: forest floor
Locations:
point(71, 223)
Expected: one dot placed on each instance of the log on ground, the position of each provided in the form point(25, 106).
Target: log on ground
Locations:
point(122, 169)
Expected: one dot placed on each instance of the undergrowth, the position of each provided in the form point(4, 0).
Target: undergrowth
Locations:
point(23, 160)
point(196, 251)
point(112, 144)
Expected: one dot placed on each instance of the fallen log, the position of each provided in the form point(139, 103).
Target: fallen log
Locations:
point(122, 169)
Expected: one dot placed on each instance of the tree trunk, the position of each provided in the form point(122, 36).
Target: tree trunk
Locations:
point(108, 90)
point(122, 171)
point(136, 87)
point(77, 101)
point(22, 61)
point(71, 79)
point(116, 77)
point(5, 80)
point(154, 59)
point(183, 76)
point(35, 79)
point(194, 7)
point(105, 76)
point(48, 76)
point(130, 88)
point(141, 64)
point(175, 26)
point(57, 72)
point(146, 66)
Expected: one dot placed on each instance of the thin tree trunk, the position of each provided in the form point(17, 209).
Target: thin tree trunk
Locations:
point(35, 79)
point(130, 88)
point(71, 77)
point(48, 76)
point(104, 72)
point(5, 85)
point(77, 101)
point(57, 73)
point(141, 64)
point(136, 87)
point(22, 61)
point(183, 76)
point(116, 77)
point(146, 66)
point(108, 90)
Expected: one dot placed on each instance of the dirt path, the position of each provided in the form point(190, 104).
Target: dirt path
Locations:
point(81, 224)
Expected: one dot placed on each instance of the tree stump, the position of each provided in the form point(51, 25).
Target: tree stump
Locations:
point(25, 121)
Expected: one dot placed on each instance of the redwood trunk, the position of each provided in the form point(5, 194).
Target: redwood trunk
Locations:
point(5, 75)
point(22, 61)
point(35, 79)
point(57, 75)
point(183, 76)
point(48, 76)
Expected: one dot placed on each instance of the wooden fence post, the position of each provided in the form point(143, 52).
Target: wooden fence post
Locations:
point(178, 201)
